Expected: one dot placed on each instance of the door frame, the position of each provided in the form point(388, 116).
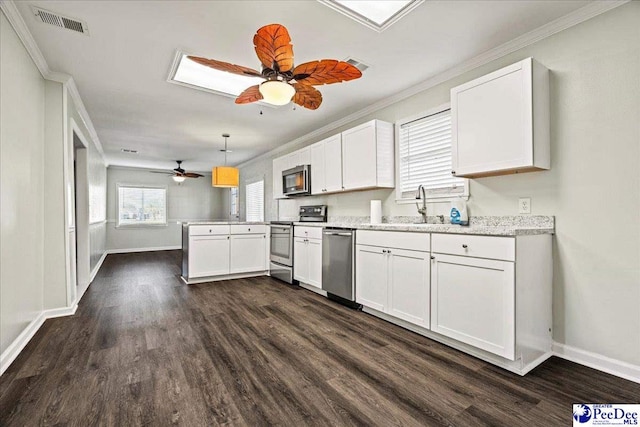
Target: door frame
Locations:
point(76, 215)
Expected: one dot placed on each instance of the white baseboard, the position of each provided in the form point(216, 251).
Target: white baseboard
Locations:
point(60, 312)
point(129, 250)
point(95, 270)
point(606, 364)
point(21, 341)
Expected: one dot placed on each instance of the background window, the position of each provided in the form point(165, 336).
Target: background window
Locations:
point(424, 158)
point(234, 208)
point(142, 205)
point(255, 201)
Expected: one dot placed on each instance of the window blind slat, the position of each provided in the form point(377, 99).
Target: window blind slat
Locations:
point(425, 157)
point(255, 201)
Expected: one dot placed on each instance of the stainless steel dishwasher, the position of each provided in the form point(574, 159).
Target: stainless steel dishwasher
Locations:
point(338, 278)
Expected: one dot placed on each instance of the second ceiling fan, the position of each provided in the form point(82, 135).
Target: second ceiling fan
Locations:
point(284, 82)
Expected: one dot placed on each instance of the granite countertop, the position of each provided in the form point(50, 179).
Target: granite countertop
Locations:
point(487, 226)
point(186, 224)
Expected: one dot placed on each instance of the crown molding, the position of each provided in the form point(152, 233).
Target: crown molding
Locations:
point(19, 25)
point(576, 17)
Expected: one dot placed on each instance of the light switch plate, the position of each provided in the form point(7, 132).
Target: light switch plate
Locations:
point(524, 205)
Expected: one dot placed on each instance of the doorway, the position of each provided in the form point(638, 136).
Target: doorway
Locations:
point(79, 218)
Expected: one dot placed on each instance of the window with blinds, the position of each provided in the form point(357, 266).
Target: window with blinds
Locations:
point(233, 202)
point(142, 205)
point(424, 158)
point(254, 201)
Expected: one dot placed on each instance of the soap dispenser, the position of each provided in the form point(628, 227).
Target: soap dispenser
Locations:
point(459, 212)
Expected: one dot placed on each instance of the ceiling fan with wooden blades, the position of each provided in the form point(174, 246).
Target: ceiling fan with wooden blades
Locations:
point(284, 82)
point(179, 174)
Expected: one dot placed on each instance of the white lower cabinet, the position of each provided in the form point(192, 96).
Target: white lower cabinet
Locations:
point(372, 273)
point(248, 253)
point(409, 286)
point(473, 301)
point(394, 280)
point(487, 295)
point(307, 265)
point(220, 250)
point(208, 255)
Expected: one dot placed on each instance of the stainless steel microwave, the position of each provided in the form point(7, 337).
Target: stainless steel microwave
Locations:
point(297, 181)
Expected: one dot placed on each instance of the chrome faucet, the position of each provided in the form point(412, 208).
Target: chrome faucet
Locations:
point(422, 210)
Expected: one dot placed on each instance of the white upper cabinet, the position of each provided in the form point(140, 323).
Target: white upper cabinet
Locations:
point(368, 156)
point(278, 167)
point(356, 159)
point(500, 122)
point(326, 165)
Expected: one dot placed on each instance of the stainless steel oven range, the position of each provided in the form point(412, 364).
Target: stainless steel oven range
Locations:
point(281, 255)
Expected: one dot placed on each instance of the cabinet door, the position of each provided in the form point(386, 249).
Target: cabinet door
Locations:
point(208, 256)
point(333, 164)
point(314, 253)
point(278, 167)
point(303, 157)
point(371, 277)
point(409, 277)
point(359, 156)
point(492, 122)
point(300, 259)
point(473, 301)
point(317, 168)
point(247, 253)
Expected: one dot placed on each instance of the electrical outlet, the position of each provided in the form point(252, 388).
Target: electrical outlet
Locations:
point(524, 205)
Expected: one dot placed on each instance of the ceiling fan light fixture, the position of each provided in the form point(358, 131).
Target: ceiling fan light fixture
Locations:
point(178, 178)
point(277, 92)
point(225, 177)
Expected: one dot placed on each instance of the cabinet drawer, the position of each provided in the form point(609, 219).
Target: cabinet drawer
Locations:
point(394, 239)
point(308, 232)
point(249, 229)
point(208, 230)
point(503, 248)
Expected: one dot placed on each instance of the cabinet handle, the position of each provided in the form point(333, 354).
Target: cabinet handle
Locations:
point(464, 246)
point(453, 172)
point(384, 251)
point(389, 251)
point(249, 229)
point(209, 230)
point(228, 237)
point(432, 257)
point(343, 187)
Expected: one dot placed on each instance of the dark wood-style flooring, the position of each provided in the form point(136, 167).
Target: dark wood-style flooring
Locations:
point(146, 349)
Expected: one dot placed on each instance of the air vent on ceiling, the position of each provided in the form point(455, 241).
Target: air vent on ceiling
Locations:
point(51, 18)
point(129, 150)
point(358, 64)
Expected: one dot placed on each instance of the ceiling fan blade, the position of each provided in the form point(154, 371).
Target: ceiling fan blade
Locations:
point(225, 66)
point(249, 95)
point(325, 71)
point(163, 172)
point(191, 175)
point(307, 96)
point(274, 48)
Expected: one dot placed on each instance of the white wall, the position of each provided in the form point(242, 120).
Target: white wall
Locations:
point(34, 115)
point(193, 200)
point(593, 187)
point(55, 229)
point(22, 102)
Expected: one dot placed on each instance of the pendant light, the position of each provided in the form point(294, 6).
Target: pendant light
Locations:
point(225, 176)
